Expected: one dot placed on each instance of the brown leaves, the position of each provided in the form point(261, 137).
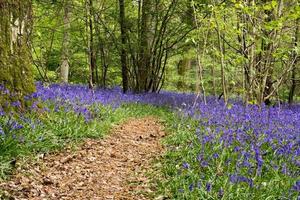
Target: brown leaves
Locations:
point(112, 168)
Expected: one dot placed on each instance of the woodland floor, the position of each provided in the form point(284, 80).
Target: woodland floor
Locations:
point(116, 167)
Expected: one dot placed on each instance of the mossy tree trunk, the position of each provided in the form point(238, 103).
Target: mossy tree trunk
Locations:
point(144, 51)
point(15, 63)
point(123, 48)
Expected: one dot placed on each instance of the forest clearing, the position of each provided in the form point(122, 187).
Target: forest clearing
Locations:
point(141, 99)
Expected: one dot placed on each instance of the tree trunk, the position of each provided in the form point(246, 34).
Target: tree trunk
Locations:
point(182, 67)
point(293, 86)
point(15, 58)
point(101, 51)
point(123, 48)
point(64, 68)
point(220, 46)
point(268, 47)
point(213, 79)
point(92, 54)
point(244, 27)
point(294, 56)
point(144, 57)
point(199, 70)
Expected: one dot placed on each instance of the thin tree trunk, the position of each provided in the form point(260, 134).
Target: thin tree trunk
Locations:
point(251, 59)
point(101, 51)
point(199, 63)
point(213, 79)
point(294, 56)
point(242, 24)
point(220, 45)
point(92, 55)
point(123, 47)
point(64, 68)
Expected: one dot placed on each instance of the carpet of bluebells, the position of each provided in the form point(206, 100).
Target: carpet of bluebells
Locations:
point(229, 152)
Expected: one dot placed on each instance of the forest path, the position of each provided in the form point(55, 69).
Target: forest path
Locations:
point(111, 168)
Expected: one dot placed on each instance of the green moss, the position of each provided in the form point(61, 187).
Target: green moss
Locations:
point(15, 64)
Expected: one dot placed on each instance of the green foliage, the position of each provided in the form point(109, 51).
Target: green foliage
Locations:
point(48, 39)
point(260, 24)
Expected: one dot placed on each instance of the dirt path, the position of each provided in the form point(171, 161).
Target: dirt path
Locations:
point(111, 168)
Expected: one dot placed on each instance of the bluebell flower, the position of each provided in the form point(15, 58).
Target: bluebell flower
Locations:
point(284, 169)
point(220, 193)
point(199, 184)
point(1, 131)
point(233, 178)
point(208, 186)
point(186, 165)
point(16, 104)
point(2, 113)
point(204, 163)
point(296, 186)
point(215, 155)
point(14, 125)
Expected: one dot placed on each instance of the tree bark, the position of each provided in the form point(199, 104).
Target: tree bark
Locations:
point(294, 56)
point(220, 46)
point(144, 57)
point(15, 57)
point(64, 68)
point(92, 49)
point(92, 54)
point(123, 47)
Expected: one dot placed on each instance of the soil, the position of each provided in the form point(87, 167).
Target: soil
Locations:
point(116, 167)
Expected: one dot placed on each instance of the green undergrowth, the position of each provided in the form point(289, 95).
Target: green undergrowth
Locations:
point(171, 185)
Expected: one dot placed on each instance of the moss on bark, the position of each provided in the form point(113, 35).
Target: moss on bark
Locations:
point(15, 61)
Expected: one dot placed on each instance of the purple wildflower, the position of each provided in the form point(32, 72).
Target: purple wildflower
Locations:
point(208, 186)
point(220, 193)
point(186, 165)
point(239, 179)
point(296, 187)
